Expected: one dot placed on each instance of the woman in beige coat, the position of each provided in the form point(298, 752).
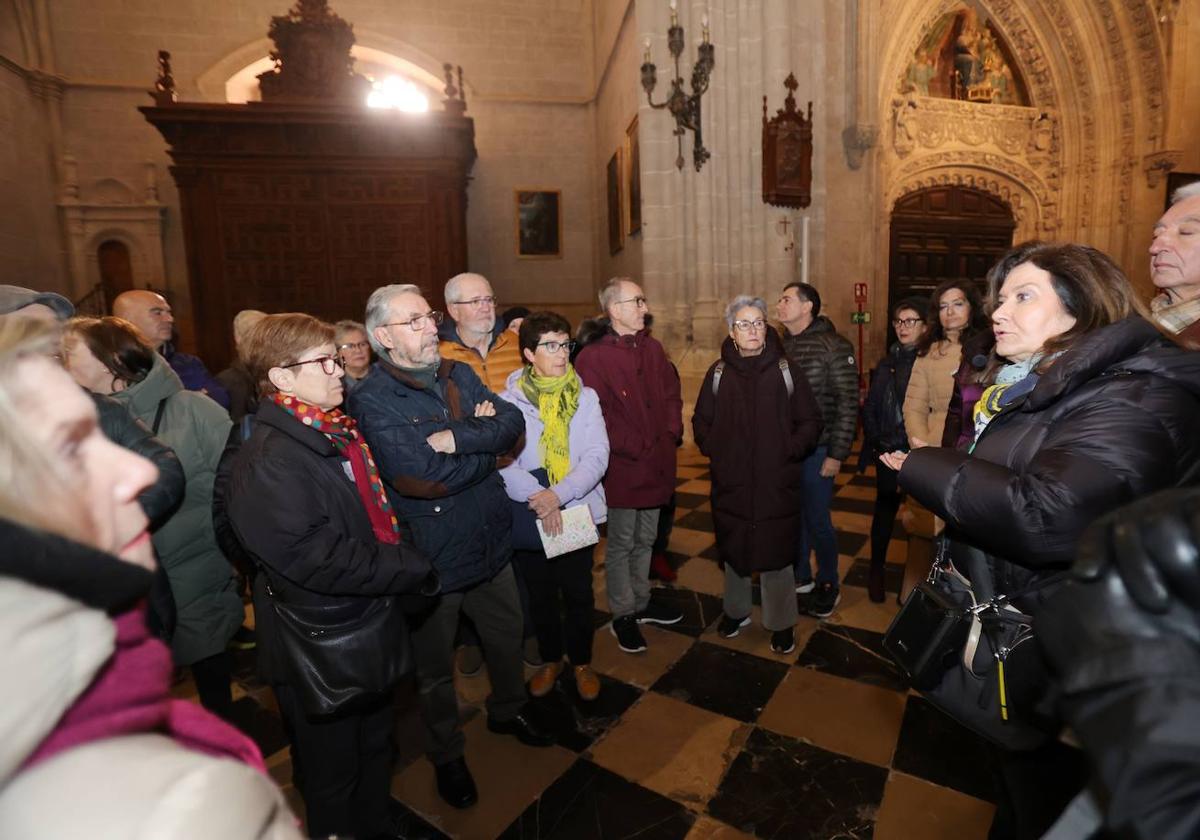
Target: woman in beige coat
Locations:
point(956, 313)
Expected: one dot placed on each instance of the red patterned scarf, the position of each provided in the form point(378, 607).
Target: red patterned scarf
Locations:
point(342, 432)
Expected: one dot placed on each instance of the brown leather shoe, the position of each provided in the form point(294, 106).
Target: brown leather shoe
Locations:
point(543, 681)
point(586, 682)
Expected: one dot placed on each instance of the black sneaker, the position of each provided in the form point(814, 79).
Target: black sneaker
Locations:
point(659, 613)
point(730, 627)
point(783, 641)
point(805, 587)
point(629, 637)
point(243, 639)
point(822, 601)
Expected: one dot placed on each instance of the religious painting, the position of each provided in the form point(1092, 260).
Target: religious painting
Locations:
point(962, 56)
point(634, 181)
point(1175, 180)
point(539, 224)
point(616, 228)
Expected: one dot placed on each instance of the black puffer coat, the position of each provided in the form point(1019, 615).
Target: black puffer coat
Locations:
point(298, 514)
point(883, 412)
point(757, 438)
point(827, 359)
point(1115, 418)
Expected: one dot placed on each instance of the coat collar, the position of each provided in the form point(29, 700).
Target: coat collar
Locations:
point(269, 414)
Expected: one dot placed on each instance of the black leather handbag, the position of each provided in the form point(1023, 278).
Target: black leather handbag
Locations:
point(343, 655)
point(525, 535)
point(972, 653)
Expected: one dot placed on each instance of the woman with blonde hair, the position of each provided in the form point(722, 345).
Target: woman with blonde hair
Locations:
point(87, 689)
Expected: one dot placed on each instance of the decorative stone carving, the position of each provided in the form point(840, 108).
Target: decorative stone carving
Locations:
point(931, 123)
point(312, 57)
point(857, 140)
point(1159, 164)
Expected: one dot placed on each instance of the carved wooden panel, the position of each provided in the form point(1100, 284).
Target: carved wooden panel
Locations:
point(787, 152)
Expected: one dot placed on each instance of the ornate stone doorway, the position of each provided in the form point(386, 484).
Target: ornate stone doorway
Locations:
point(943, 232)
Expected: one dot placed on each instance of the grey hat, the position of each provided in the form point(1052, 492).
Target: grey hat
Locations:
point(13, 298)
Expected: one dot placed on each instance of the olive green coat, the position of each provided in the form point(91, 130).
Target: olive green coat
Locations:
point(208, 608)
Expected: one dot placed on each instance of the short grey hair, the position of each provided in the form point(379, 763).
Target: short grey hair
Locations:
point(344, 326)
point(608, 294)
point(1186, 191)
point(378, 311)
point(453, 284)
point(741, 302)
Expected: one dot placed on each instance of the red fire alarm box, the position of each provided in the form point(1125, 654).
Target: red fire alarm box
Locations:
point(860, 292)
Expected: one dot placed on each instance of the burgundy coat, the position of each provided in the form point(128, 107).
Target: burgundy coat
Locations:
point(757, 439)
point(643, 411)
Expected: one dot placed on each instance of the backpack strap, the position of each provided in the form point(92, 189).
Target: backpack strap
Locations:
point(787, 376)
point(158, 414)
point(247, 426)
point(717, 371)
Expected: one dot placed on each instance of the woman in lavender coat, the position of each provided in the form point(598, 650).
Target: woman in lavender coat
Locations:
point(558, 464)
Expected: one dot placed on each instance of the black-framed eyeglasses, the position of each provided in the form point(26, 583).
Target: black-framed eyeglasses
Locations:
point(476, 302)
point(757, 325)
point(906, 322)
point(639, 301)
point(329, 364)
point(555, 346)
point(417, 323)
point(354, 345)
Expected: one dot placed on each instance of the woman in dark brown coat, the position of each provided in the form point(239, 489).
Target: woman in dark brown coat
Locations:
point(756, 419)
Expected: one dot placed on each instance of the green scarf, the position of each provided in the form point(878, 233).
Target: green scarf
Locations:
point(557, 399)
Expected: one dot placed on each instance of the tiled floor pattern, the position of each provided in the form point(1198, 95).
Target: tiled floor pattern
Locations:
point(704, 737)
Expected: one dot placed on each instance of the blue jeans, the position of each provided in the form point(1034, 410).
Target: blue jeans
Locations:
point(817, 533)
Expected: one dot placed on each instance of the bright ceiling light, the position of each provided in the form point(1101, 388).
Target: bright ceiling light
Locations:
point(398, 94)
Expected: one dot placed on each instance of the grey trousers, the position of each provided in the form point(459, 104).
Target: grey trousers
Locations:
point(495, 608)
point(631, 534)
point(779, 611)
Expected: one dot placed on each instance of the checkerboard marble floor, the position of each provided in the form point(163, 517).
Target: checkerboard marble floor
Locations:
point(703, 737)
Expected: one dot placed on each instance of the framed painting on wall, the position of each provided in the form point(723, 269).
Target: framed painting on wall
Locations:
point(1175, 180)
point(539, 224)
point(616, 227)
point(633, 164)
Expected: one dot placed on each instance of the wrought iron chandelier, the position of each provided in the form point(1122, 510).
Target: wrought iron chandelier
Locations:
point(685, 108)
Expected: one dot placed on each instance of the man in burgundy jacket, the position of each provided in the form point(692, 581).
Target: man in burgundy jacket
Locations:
point(643, 410)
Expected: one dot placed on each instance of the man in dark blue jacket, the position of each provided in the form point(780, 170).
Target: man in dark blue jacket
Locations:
point(436, 432)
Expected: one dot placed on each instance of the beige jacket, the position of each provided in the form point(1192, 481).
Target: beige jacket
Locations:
point(929, 391)
point(130, 787)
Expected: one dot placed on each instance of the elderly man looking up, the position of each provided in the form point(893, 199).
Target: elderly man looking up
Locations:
point(474, 335)
point(643, 411)
point(150, 313)
point(436, 432)
point(1175, 265)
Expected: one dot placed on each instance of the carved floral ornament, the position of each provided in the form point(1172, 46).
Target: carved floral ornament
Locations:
point(930, 123)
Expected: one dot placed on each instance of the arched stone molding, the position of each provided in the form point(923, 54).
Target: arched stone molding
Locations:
point(370, 46)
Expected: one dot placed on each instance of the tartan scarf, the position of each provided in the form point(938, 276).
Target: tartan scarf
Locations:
point(342, 432)
point(1175, 317)
point(557, 400)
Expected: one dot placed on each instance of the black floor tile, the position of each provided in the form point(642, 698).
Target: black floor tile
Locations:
point(696, 520)
point(851, 653)
point(689, 501)
point(710, 553)
point(699, 609)
point(575, 723)
point(848, 505)
point(893, 575)
point(264, 727)
point(861, 480)
point(781, 787)
point(850, 543)
point(727, 682)
point(600, 618)
point(704, 476)
point(409, 825)
point(676, 559)
point(937, 748)
point(591, 803)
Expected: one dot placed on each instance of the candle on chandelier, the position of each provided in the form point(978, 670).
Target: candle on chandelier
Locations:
point(647, 51)
point(704, 27)
point(674, 16)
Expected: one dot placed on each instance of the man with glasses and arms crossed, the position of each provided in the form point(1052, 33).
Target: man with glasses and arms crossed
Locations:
point(643, 411)
point(473, 334)
point(436, 432)
point(827, 359)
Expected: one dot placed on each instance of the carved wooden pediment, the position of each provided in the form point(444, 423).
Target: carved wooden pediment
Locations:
point(312, 57)
point(787, 152)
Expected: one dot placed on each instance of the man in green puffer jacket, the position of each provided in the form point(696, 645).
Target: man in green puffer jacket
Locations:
point(208, 609)
point(827, 359)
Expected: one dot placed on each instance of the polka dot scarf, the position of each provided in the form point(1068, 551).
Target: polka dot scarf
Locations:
point(342, 432)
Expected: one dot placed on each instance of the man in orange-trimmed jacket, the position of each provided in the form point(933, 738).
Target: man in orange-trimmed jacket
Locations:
point(473, 336)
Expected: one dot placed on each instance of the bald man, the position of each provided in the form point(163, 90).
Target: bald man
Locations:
point(150, 313)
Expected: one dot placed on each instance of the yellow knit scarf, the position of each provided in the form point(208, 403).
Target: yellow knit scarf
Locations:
point(557, 399)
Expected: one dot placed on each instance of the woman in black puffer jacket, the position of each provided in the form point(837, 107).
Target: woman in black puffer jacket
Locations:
point(1089, 408)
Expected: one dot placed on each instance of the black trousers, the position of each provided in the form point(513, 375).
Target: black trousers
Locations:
point(342, 765)
point(1034, 787)
point(560, 602)
point(888, 498)
point(214, 676)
